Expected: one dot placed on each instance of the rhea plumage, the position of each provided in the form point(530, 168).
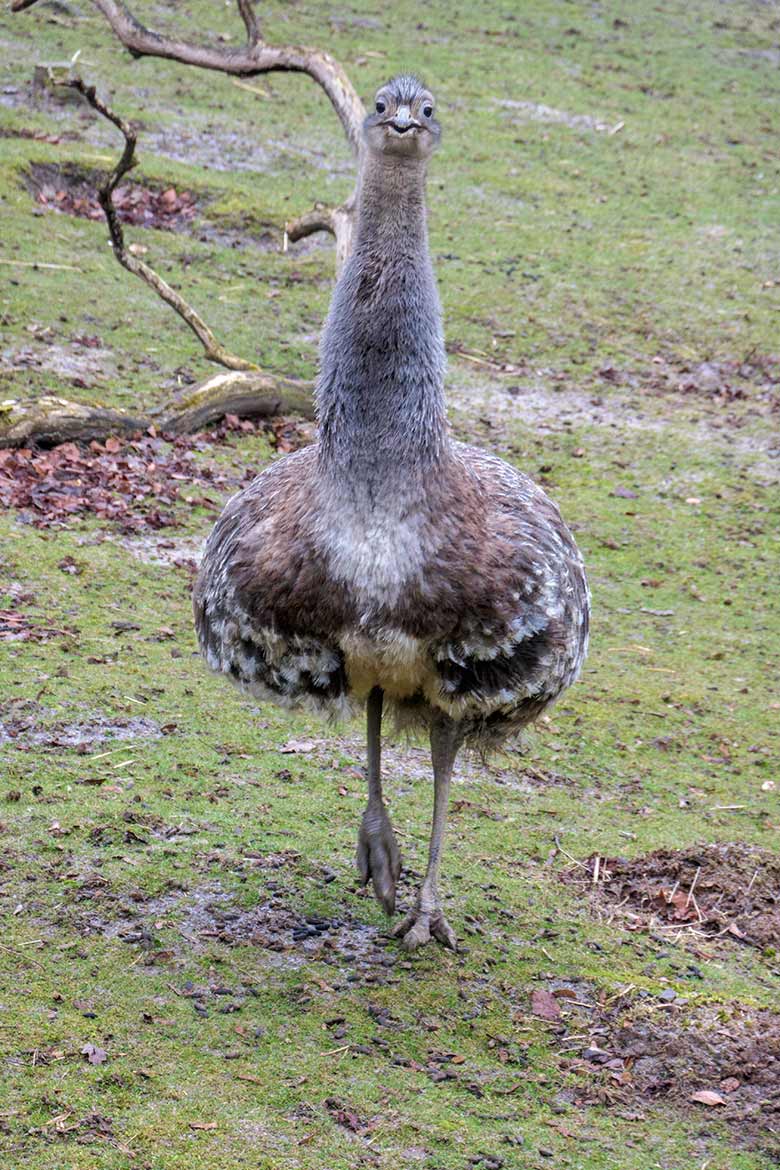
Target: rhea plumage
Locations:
point(386, 564)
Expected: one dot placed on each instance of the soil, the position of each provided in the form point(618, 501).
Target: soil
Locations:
point(22, 729)
point(720, 1062)
point(85, 363)
point(72, 190)
point(730, 890)
point(733, 401)
point(536, 112)
point(182, 552)
point(274, 926)
point(282, 935)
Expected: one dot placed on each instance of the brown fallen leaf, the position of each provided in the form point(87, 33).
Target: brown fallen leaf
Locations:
point(345, 1116)
point(203, 1125)
point(545, 1005)
point(298, 747)
point(707, 1097)
point(94, 1054)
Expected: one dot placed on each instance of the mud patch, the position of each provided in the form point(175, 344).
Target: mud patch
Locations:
point(24, 732)
point(178, 921)
point(83, 363)
point(288, 937)
point(171, 552)
point(538, 112)
point(406, 765)
point(16, 626)
point(723, 890)
point(72, 190)
point(736, 415)
point(720, 1063)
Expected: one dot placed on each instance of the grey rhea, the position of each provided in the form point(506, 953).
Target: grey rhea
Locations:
point(387, 563)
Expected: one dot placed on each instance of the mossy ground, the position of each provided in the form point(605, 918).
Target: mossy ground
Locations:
point(573, 254)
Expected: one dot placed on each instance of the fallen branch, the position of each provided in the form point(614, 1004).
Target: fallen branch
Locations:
point(48, 420)
point(246, 395)
point(256, 57)
point(214, 351)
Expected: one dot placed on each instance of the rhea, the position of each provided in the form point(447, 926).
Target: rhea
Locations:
point(387, 565)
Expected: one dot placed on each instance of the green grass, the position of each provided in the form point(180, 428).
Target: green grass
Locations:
point(560, 250)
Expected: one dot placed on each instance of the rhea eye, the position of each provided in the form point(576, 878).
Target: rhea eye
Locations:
point(381, 107)
point(427, 111)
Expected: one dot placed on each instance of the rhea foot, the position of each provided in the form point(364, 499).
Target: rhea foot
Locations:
point(419, 926)
point(378, 857)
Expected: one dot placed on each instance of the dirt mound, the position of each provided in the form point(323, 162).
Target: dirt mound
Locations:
point(723, 889)
point(719, 1061)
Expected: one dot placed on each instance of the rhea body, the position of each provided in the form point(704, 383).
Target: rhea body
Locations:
point(387, 564)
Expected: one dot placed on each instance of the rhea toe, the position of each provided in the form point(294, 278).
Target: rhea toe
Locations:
point(388, 566)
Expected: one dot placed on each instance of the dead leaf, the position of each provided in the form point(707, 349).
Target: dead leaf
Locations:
point(298, 747)
point(545, 1005)
point(94, 1054)
point(707, 1097)
point(345, 1116)
point(203, 1125)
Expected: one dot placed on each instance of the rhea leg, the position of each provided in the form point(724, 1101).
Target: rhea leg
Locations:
point(378, 857)
point(427, 918)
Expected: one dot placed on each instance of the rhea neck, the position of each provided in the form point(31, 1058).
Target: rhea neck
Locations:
point(380, 392)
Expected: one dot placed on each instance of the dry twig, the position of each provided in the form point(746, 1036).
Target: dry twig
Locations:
point(213, 350)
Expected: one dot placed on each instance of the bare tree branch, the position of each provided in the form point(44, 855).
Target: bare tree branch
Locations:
point(319, 219)
point(338, 221)
point(256, 57)
point(249, 17)
point(213, 350)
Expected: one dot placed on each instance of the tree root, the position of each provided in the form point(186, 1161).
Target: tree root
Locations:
point(49, 420)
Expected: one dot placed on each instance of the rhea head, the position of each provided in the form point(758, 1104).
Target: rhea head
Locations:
point(403, 121)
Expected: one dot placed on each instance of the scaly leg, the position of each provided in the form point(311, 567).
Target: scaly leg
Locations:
point(427, 918)
point(378, 857)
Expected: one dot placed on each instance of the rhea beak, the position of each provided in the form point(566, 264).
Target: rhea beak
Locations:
point(402, 120)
